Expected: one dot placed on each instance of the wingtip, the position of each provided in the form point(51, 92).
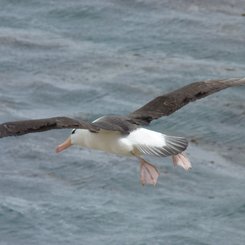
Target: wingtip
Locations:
point(230, 81)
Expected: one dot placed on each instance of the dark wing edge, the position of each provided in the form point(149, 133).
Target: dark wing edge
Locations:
point(122, 124)
point(167, 104)
point(17, 128)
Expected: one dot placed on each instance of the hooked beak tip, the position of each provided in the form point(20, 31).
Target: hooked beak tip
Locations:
point(63, 146)
point(58, 149)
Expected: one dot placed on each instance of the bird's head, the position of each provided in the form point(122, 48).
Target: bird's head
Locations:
point(67, 143)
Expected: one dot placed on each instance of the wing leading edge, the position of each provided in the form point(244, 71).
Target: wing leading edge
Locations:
point(167, 104)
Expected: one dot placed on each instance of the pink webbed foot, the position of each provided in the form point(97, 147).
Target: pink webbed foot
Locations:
point(148, 173)
point(182, 161)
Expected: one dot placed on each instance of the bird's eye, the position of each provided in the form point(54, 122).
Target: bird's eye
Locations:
point(73, 131)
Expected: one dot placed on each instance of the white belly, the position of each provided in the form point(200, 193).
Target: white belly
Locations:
point(108, 141)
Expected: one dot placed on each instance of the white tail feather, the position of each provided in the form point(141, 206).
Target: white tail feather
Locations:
point(154, 143)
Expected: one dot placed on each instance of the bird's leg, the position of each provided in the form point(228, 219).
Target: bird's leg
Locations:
point(148, 172)
point(181, 160)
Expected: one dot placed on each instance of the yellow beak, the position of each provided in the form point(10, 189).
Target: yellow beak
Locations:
point(63, 146)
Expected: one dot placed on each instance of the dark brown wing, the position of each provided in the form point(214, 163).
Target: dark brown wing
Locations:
point(166, 104)
point(161, 106)
point(122, 124)
point(39, 125)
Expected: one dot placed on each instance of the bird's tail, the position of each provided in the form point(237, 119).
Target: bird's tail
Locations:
point(149, 142)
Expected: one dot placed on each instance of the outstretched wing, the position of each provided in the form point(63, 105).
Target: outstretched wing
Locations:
point(167, 104)
point(39, 125)
point(161, 106)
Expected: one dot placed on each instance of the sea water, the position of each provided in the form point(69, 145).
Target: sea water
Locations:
point(90, 58)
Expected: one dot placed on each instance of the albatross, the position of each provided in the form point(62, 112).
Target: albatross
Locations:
point(127, 135)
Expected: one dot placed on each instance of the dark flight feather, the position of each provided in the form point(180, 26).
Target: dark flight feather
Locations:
point(31, 126)
point(122, 124)
point(163, 105)
point(167, 104)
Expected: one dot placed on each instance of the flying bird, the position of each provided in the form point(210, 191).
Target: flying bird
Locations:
point(127, 135)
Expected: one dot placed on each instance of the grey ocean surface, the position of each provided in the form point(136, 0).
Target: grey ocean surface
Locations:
point(89, 58)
